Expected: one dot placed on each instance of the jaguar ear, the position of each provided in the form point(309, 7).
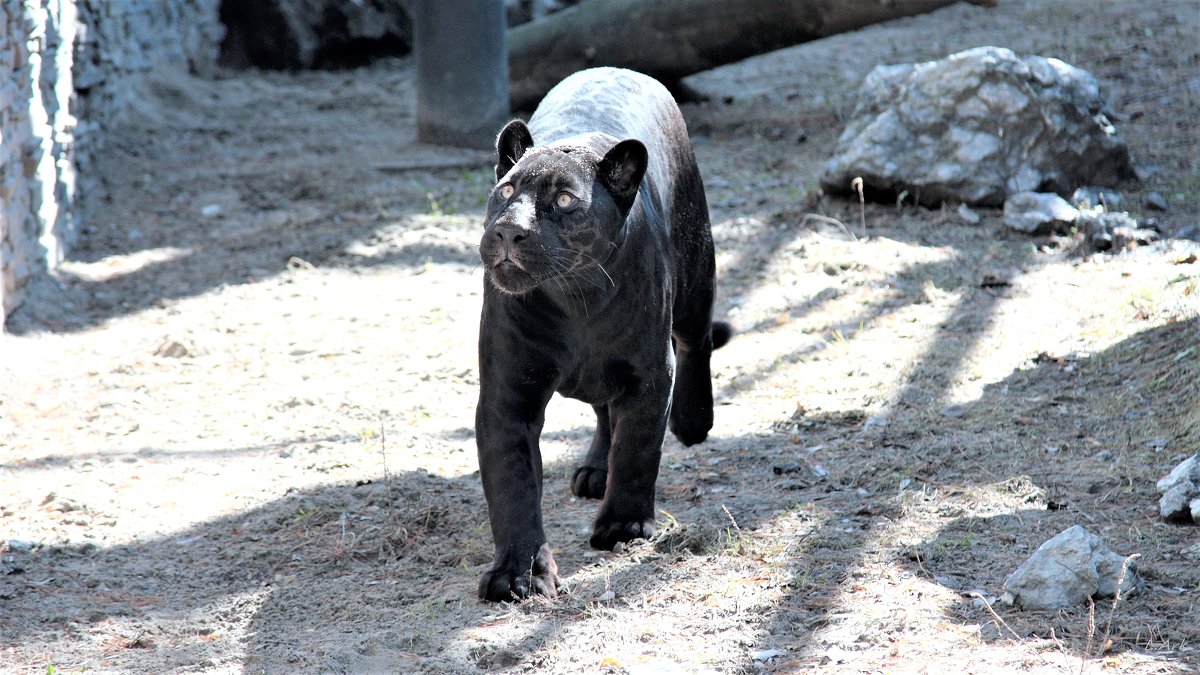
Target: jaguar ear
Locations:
point(511, 144)
point(621, 171)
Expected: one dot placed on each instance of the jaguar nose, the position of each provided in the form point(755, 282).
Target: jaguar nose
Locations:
point(510, 233)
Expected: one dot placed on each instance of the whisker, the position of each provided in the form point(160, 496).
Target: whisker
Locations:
point(570, 272)
point(566, 274)
point(558, 280)
point(594, 260)
point(574, 275)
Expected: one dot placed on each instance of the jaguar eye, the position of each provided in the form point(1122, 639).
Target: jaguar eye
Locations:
point(564, 200)
point(507, 190)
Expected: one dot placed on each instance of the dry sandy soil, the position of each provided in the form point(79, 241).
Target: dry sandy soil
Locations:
point(235, 432)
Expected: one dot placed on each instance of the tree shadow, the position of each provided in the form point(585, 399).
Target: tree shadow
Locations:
point(381, 574)
point(379, 546)
point(891, 303)
point(967, 270)
point(77, 301)
point(213, 183)
point(921, 443)
point(1061, 441)
point(66, 460)
point(378, 575)
point(1136, 402)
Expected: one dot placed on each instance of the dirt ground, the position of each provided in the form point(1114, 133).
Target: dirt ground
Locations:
point(235, 432)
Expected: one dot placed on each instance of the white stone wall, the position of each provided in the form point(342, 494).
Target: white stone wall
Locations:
point(68, 68)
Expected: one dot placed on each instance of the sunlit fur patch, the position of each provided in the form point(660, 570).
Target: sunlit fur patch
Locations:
point(522, 212)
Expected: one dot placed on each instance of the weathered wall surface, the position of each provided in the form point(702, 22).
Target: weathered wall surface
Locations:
point(68, 68)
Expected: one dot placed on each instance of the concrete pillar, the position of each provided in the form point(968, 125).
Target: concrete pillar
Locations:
point(462, 71)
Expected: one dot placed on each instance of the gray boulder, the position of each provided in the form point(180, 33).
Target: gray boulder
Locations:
point(977, 127)
point(298, 34)
point(1038, 212)
point(1180, 491)
point(1067, 570)
point(518, 12)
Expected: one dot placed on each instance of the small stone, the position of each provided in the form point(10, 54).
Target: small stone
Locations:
point(787, 467)
point(1180, 488)
point(211, 210)
point(764, 655)
point(1038, 213)
point(979, 597)
point(1125, 238)
point(998, 278)
point(172, 349)
point(875, 422)
point(1067, 570)
point(1106, 230)
point(22, 545)
point(1175, 503)
point(1156, 202)
point(606, 596)
point(968, 216)
point(1092, 197)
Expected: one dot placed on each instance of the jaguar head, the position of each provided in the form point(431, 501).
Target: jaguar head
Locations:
point(556, 212)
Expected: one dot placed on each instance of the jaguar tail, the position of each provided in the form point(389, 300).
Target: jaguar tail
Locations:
point(721, 332)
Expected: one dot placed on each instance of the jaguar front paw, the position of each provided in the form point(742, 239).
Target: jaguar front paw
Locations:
point(608, 533)
point(516, 577)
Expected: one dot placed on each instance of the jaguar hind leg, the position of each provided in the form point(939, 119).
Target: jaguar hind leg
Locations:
point(692, 405)
point(591, 477)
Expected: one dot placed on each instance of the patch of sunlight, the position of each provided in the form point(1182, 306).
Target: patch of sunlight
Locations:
point(440, 237)
point(116, 266)
point(825, 277)
point(882, 353)
point(1067, 308)
point(854, 316)
point(689, 621)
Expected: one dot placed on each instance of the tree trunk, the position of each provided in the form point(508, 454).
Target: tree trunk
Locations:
point(462, 72)
point(671, 39)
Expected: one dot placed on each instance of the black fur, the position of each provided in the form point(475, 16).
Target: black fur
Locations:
point(599, 263)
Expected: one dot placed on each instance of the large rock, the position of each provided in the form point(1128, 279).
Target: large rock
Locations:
point(518, 12)
point(298, 34)
point(1067, 570)
point(1180, 491)
point(976, 127)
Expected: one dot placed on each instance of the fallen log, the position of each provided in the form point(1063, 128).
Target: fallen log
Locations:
point(671, 39)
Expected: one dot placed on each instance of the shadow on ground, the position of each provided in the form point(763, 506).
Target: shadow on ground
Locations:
point(382, 574)
point(1063, 441)
point(76, 301)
